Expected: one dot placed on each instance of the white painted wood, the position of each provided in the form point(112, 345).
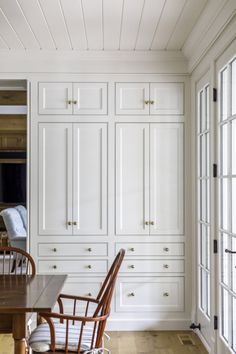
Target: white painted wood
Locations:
point(55, 179)
point(151, 249)
point(3, 44)
point(152, 266)
point(168, 98)
point(91, 98)
point(54, 17)
point(166, 179)
point(75, 23)
point(37, 23)
point(131, 97)
point(151, 14)
point(132, 13)
point(54, 98)
point(112, 11)
point(90, 179)
point(88, 289)
point(8, 33)
point(167, 23)
point(132, 179)
point(72, 249)
point(72, 266)
point(93, 16)
point(145, 294)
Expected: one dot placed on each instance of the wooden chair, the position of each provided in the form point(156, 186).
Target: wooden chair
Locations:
point(76, 333)
point(16, 261)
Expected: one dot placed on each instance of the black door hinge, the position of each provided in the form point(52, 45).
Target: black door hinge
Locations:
point(215, 322)
point(214, 95)
point(215, 246)
point(214, 170)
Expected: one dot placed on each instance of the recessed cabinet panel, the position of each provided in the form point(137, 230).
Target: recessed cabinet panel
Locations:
point(55, 98)
point(166, 98)
point(131, 98)
point(166, 179)
point(90, 98)
point(145, 294)
point(72, 266)
point(90, 179)
point(132, 179)
point(72, 249)
point(152, 266)
point(55, 178)
point(152, 249)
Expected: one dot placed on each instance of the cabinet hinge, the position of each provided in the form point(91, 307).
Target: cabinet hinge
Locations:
point(215, 322)
point(215, 246)
point(214, 95)
point(214, 170)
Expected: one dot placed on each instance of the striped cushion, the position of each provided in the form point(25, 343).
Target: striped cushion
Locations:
point(40, 338)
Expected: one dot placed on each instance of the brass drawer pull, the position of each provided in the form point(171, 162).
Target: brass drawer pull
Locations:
point(89, 249)
point(151, 222)
point(132, 266)
point(151, 102)
point(132, 249)
point(54, 249)
point(146, 102)
point(89, 294)
point(54, 267)
point(166, 249)
point(75, 102)
point(131, 294)
point(69, 223)
point(89, 266)
point(146, 222)
point(74, 222)
point(166, 265)
point(166, 294)
point(69, 101)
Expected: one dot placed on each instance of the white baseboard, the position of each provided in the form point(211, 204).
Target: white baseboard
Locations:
point(202, 339)
point(147, 325)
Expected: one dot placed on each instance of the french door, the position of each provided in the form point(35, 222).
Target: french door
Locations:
point(226, 71)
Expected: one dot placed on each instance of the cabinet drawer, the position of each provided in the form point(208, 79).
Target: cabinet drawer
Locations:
point(153, 266)
point(82, 289)
point(156, 294)
point(152, 249)
point(72, 266)
point(72, 249)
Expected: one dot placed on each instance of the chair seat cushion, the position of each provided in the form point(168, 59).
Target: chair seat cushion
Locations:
point(13, 222)
point(40, 338)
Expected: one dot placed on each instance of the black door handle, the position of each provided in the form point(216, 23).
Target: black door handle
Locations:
point(229, 251)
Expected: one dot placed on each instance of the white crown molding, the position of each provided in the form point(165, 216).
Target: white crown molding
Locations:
point(211, 24)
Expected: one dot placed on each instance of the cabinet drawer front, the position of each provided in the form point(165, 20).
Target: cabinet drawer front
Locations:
point(157, 294)
point(89, 289)
point(153, 266)
point(152, 249)
point(72, 266)
point(167, 98)
point(72, 249)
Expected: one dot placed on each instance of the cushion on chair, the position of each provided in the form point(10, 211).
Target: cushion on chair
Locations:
point(13, 222)
point(23, 214)
point(40, 338)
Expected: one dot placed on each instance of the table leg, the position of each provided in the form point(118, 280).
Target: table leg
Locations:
point(19, 333)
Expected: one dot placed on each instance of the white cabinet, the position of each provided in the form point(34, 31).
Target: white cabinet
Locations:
point(72, 175)
point(149, 179)
point(73, 98)
point(161, 98)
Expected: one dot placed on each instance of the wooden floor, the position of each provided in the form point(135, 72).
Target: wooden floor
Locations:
point(138, 343)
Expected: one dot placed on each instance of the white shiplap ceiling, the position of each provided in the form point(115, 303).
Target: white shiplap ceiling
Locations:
point(97, 24)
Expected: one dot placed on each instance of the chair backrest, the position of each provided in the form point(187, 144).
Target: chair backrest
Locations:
point(15, 261)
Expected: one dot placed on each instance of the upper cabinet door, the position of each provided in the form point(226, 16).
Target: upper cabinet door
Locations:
point(132, 179)
point(55, 179)
point(166, 179)
point(90, 179)
point(167, 98)
point(132, 98)
point(90, 98)
point(55, 98)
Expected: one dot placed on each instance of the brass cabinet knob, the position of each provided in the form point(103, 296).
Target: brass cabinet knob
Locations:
point(165, 265)
point(69, 101)
point(54, 267)
point(166, 294)
point(131, 294)
point(166, 249)
point(90, 249)
point(89, 266)
point(151, 102)
point(146, 222)
point(132, 266)
point(75, 102)
point(89, 294)
point(132, 249)
point(146, 102)
point(151, 222)
point(69, 223)
point(74, 222)
point(54, 249)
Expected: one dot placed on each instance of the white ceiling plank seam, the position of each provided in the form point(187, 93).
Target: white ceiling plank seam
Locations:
point(176, 23)
point(4, 42)
point(85, 29)
point(13, 30)
point(102, 25)
point(121, 21)
point(65, 23)
point(47, 24)
point(31, 29)
point(159, 19)
point(139, 26)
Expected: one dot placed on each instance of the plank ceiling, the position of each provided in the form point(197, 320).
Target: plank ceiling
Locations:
point(97, 24)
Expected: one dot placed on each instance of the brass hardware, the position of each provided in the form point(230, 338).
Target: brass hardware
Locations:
point(54, 249)
point(89, 294)
point(132, 266)
point(132, 249)
point(69, 102)
point(165, 265)
point(89, 266)
point(166, 294)
point(90, 249)
point(131, 294)
point(151, 102)
point(69, 223)
point(146, 223)
point(74, 223)
point(54, 267)
point(166, 249)
point(151, 222)
point(75, 102)
point(146, 102)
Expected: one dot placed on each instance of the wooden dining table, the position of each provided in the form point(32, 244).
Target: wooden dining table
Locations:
point(22, 294)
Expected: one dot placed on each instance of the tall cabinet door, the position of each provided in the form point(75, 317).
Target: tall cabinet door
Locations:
point(90, 179)
point(132, 179)
point(166, 179)
point(55, 178)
